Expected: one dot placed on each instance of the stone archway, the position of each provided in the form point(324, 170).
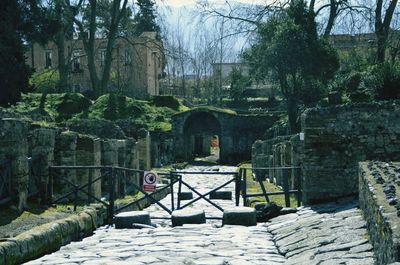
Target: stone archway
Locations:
point(199, 128)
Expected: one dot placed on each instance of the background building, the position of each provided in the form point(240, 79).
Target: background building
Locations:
point(137, 64)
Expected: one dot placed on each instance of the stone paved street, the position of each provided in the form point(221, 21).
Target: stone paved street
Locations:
point(330, 234)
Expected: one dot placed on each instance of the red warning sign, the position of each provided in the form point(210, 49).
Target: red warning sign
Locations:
point(150, 181)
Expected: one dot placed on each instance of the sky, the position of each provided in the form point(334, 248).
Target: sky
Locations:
point(178, 3)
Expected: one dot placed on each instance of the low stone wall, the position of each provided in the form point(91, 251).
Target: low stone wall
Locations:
point(50, 237)
point(378, 195)
point(337, 138)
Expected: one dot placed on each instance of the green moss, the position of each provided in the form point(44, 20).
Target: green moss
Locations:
point(215, 109)
point(60, 106)
point(154, 114)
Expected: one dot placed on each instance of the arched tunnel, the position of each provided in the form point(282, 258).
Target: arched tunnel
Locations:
point(199, 129)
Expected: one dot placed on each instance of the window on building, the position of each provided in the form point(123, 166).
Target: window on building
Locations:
point(102, 57)
point(128, 57)
point(48, 56)
point(76, 61)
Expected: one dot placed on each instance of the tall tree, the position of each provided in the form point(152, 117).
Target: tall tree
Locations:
point(288, 46)
point(116, 12)
point(382, 26)
point(14, 73)
point(145, 19)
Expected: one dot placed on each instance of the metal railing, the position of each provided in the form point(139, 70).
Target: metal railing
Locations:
point(5, 181)
point(286, 172)
point(109, 176)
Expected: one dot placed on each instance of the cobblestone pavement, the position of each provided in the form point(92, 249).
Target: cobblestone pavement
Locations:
point(330, 234)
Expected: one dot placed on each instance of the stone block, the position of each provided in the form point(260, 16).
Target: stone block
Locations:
point(188, 216)
point(221, 195)
point(245, 216)
point(184, 196)
point(127, 219)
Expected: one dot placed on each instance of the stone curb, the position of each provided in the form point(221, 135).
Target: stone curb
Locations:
point(188, 216)
point(49, 237)
point(184, 196)
point(221, 195)
point(245, 216)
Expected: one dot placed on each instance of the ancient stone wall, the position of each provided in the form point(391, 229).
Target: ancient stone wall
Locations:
point(64, 155)
point(14, 149)
point(41, 152)
point(283, 151)
point(88, 153)
point(236, 132)
point(379, 185)
point(337, 138)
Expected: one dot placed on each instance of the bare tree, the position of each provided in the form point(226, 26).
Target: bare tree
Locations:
point(117, 9)
point(382, 26)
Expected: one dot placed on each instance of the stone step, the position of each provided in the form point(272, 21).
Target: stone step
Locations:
point(221, 195)
point(188, 216)
point(184, 196)
point(127, 219)
point(245, 216)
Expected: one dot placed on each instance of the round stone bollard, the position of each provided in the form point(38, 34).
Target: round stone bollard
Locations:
point(188, 216)
point(245, 216)
point(127, 219)
point(184, 196)
point(221, 195)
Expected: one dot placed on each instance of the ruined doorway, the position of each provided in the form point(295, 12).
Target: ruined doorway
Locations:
point(202, 133)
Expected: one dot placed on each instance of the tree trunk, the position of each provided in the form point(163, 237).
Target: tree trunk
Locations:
point(293, 112)
point(62, 64)
point(382, 28)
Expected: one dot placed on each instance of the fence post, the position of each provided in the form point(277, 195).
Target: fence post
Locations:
point(285, 173)
point(299, 195)
point(112, 194)
point(238, 177)
point(171, 183)
point(179, 192)
point(90, 179)
point(244, 186)
point(49, 197)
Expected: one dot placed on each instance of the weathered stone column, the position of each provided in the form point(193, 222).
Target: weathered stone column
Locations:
point(88, 153)
point(131, 161)
point(65, 155)
point(144, 151)
point(121, 181)
point(14, 146)
point(41, 149)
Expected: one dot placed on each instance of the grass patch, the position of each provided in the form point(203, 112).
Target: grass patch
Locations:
point(9, 215)
point(254, 187)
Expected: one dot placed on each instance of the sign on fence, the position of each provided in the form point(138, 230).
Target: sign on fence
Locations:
point(150, 181)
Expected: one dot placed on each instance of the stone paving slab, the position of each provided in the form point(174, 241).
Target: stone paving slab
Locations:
point(323, 235)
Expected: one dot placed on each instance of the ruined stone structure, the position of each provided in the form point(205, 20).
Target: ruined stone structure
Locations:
point(379, 200)
point(335, 140)
point(194, 129)
point(14, 149)
point(137, 64)
point(284, 151)
point(28, 150)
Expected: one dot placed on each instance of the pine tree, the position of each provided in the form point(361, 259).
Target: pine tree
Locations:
point(146, 19)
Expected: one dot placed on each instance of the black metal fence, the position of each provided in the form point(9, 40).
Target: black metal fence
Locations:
point(113, 181)
point(5, 181)
point(290, 183)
